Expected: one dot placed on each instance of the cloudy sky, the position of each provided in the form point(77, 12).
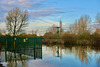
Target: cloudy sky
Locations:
point(44, 13)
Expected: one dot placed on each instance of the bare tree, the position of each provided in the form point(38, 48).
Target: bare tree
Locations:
point(74, 28)
point(52, 29)
point(80, 26)
point(34, 31)
point(98, 18)
point(16, 21)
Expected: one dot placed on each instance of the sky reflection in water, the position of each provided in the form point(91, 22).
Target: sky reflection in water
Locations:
point(59, 56)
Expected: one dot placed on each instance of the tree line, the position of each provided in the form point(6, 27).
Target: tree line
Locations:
point(79, 33)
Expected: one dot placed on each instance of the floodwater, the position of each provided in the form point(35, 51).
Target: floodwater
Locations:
point(57, 56)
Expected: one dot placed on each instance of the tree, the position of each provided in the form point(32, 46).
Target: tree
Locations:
point(16, 21)
point(34, 31)
point(98, 18)
point(69, 38)
point(50, 35)
point(74, 28)
point(98, 21)
point(52, 29)
point(80, 26)
point(27, 35)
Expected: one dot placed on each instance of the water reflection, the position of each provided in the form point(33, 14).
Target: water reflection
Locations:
point(84, 54)
point(55, 56)
point(17, 64)
point(56, 51)
point(81, 53)
point(19, 57)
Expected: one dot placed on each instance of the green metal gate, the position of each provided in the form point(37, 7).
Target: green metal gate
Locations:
point(22, 44)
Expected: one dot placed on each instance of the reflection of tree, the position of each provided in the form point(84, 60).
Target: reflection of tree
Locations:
point(14, 60)
point(17, 63)
point(82, 54)
point(98, 62)
point(97, 53)
point(56, 51)
point(79, 52)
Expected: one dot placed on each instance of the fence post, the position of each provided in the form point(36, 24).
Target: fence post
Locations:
point(34, 48)
point(41, 47)
point(6, 48)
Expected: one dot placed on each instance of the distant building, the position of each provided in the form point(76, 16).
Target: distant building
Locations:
point(97, 31)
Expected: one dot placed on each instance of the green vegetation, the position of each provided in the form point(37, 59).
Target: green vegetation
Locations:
point(72, 39)
point(79, 33)
point(69, 38)
point(27, 35)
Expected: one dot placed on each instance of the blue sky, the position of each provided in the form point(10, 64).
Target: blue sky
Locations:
point(44, 13)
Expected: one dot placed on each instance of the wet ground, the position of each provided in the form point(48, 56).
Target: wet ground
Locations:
point(55, 56)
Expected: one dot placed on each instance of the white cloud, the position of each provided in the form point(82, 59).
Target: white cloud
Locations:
point(7, 5)
point(0, 18)
point(44, 12)
point(54, 22)
point(42, 25)
point(59, 16)
point(22, 3)
point(21, 0)
point(2, 25)
point(11, 2)
point(28, 3)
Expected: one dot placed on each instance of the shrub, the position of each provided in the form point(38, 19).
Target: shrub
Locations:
point(69, 38)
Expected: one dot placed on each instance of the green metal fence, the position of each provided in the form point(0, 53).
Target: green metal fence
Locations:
point(20, 42)
point(31, 46)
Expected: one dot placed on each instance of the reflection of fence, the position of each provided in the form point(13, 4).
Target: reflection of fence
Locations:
point(31, 46)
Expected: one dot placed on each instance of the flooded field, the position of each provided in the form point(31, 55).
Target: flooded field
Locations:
point(53, 56)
